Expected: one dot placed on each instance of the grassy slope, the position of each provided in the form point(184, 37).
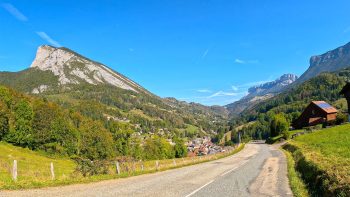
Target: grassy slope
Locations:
point(325, 155)
point(330, 148)
point(33, 168)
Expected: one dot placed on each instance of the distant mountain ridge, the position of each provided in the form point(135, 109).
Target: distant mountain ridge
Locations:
point(328, 62)
point(273, 86)
point(259, 93)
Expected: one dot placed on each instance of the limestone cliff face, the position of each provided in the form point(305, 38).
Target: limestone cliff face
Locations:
point(72, 68)
point(330, 61)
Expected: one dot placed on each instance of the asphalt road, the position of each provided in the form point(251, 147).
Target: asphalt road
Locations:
point(258, 170)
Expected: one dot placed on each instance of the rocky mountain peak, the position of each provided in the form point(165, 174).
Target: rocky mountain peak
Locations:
point(261, 93)
point(72, 68)
point(273, 86)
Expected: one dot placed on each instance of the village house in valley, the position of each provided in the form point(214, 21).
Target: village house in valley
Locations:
point(317, 112)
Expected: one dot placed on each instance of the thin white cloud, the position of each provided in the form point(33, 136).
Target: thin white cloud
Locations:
point(234, 88)
point(240, 61)
point(250, 84)
point(14, 12)
point(131, 49)
point(205, 53)
point(346, 30)
point(225, 96)
point(222, 93)
point(203, 91)
point(48, 39)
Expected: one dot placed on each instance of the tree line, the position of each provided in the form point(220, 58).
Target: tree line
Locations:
point(39, 124)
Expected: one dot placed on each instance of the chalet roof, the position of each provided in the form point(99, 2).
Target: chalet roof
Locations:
point(325, 107)
point(345, 88)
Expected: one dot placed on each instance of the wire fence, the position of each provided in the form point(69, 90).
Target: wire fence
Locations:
point(17, 171)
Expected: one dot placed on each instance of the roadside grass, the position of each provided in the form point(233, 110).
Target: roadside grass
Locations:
point(296, 183)
point(34, 168)
point(277, 138)
point(323, 160)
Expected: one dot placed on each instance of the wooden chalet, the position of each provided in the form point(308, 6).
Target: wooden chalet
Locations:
point(317, 112)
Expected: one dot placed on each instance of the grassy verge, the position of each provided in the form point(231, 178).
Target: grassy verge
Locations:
point(323, 160)
point(34, 168)
point(278, 138)
point(296, 183)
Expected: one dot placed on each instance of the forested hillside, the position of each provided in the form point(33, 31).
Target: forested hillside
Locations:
point(36, 123)
point(287, 106)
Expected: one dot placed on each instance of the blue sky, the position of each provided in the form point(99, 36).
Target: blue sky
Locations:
point(206, 51)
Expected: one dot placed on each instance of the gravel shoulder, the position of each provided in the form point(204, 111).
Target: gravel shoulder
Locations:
point(251, 172)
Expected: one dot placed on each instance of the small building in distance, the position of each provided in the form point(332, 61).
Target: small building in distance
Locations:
point(317, 112)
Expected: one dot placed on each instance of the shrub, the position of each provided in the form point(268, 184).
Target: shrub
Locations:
point(285, 134)
point(278, 125)
point(88, 167)
point(229, 143)
point(180, 148)
point(341, 118)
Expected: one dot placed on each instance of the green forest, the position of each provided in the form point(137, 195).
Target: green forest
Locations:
point(38, 124)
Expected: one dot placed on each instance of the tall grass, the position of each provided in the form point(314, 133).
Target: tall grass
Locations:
point(296, 183)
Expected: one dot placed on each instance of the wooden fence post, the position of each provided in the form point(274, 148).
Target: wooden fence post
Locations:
point(117, 167)
point(174, 162)
point(52, 171)
point(142, 167)
point(157, 165)
point(14, 170)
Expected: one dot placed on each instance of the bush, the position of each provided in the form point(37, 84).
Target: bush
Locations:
point(229, 143)
point(318, 127)
point(286, 135)
point(180, 148)
point(88, 167)
point(278, 125)
point(341, 118)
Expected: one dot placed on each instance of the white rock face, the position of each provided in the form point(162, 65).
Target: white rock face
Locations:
point(40, 89)
point(72, 68)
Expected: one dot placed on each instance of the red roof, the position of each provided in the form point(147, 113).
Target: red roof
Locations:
point(325, 107)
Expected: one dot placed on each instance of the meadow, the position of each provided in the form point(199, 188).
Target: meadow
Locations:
point(323, 160)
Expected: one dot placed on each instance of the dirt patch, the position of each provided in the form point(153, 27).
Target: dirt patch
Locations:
point(266, 182)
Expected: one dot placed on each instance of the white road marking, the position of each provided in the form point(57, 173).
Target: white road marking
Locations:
point(195, 191)
point(223, 174)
